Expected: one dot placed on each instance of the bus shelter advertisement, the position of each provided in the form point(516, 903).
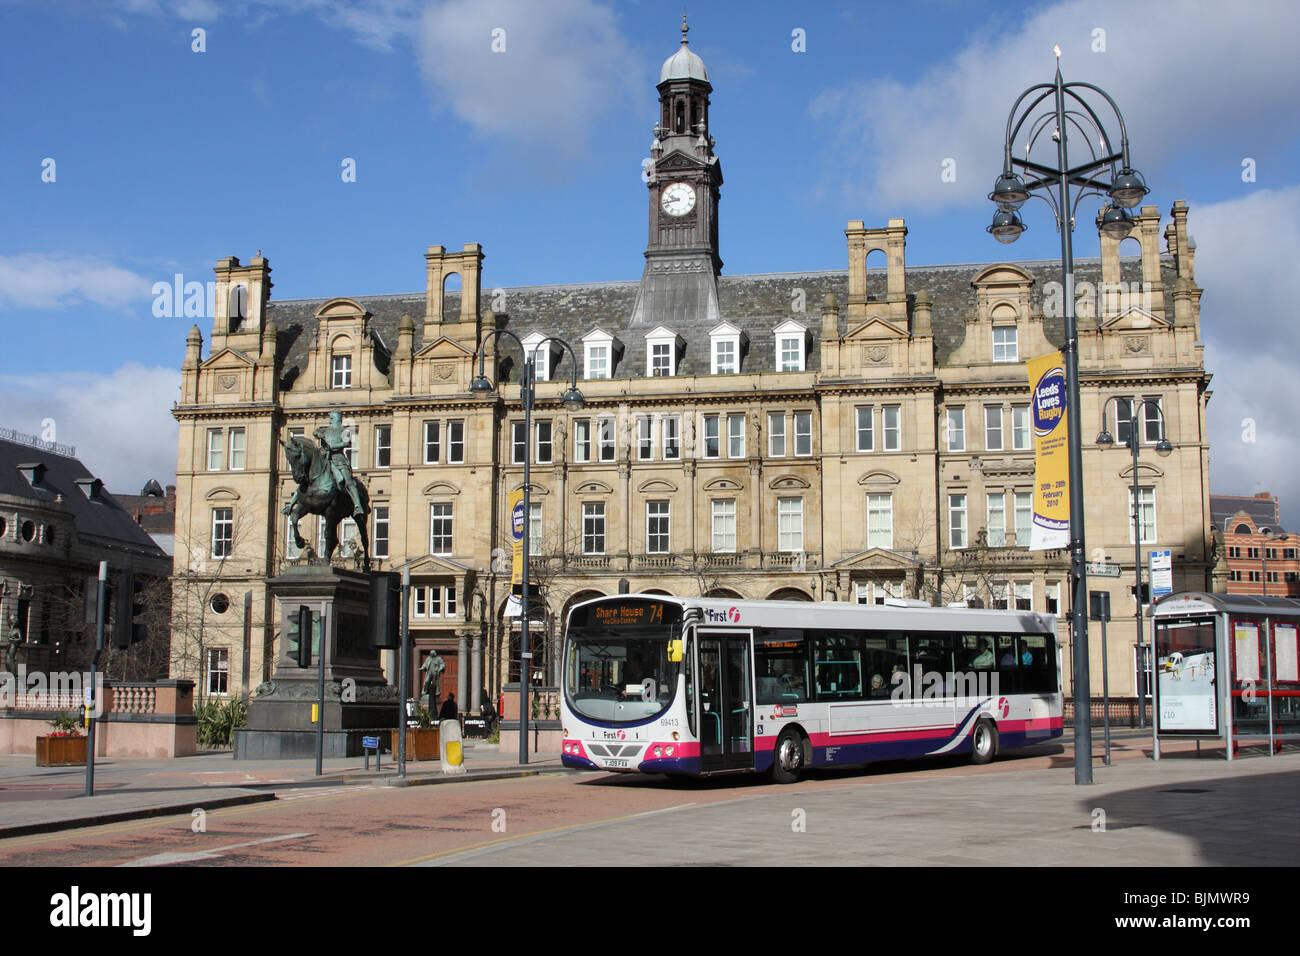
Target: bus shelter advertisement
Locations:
point(1185, 663)
point(1051, 524)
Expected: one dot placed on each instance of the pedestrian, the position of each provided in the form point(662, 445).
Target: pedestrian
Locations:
point(449, 710)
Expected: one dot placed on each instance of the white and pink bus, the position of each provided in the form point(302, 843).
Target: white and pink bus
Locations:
point(658, 684)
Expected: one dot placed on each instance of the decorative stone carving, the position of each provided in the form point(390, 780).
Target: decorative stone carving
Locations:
point(877, 353)
point(227, 381)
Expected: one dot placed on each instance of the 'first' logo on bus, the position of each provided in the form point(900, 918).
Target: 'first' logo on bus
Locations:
point(730, 616)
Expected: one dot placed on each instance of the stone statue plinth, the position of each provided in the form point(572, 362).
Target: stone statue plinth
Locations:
point(359, 701)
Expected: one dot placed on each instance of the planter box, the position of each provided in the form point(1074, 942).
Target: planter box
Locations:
point(422, 743)
point(61, 751)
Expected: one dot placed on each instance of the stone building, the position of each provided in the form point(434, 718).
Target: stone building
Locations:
point(57, 522)
point(850, 434)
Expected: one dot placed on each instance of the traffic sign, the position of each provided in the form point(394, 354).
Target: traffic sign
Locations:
point(369, 743)
point(1101, 569)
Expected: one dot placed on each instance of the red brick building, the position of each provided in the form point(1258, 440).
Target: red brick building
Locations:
point(1262, 557)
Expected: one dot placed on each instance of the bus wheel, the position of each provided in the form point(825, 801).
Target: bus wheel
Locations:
point(787, 762)
point(985, 745)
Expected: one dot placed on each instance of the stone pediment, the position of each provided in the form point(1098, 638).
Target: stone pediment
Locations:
point(228, 358)
point(594, 488)
point(788, 482)
point(879, 478)
point(536, 492)
point(444, 348)
point(677, 160)
point(434, 564)
point(1002, 274)
point(1135, 319)
point(440, 488)
point(723, 484)
point(1145, 470)
point(222, 494)
point(875, 327)
point(656, 486)
point(342, 309)
point(876, 559)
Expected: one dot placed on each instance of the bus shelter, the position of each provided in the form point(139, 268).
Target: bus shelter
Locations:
point(1227, 668)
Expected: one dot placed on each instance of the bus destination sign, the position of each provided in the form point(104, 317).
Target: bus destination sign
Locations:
point(631, 613)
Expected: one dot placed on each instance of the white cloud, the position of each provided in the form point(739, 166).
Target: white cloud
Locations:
point(1250, 321)
point(37, 281)
point(120, 421)
point(565, 65)
point(1176, 70)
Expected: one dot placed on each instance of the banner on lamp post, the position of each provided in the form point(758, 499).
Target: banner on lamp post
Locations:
point(1051, 523)
point(518, 524)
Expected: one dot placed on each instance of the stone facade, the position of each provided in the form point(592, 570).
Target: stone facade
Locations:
point(841, 435)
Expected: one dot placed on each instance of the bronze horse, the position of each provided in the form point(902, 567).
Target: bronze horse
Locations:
point(319, 494)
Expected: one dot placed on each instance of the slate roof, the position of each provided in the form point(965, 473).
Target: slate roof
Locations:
point(1263, 511)
point(755, 303)
point(104, 517)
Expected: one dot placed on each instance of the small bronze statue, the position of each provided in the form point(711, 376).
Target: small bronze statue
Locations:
point(326, 486)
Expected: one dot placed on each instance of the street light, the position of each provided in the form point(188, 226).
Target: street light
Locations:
point(1275, 537)
point(1163, 448)
point(1069, 110)
point(572, 400)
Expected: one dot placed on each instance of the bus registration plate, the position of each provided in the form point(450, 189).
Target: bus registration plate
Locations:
point(616, 763)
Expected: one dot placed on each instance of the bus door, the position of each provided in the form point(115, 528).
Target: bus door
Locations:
point(725, 700)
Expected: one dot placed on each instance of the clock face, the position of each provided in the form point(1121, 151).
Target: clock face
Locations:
point(678, 199)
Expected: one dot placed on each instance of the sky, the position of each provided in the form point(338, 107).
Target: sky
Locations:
point(145, 139)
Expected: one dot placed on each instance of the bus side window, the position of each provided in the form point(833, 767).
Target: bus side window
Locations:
point(1008, 672)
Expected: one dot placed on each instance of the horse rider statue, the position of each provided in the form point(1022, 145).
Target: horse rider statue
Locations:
point(326, 485)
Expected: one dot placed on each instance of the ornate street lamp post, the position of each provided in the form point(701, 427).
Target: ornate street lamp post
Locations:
point(1070, 111)
point(572, 400)
point(1163, 448)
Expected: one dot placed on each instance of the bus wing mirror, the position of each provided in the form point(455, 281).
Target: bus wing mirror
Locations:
point(675, 651)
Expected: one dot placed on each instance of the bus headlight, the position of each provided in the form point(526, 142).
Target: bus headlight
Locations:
point(658, 751)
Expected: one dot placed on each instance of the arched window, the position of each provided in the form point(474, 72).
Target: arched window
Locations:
point(238, 303)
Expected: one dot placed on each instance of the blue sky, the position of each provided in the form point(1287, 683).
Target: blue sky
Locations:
point(165, 159)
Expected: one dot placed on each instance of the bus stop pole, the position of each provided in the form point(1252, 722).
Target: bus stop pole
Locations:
point(404, 672)
point(320, 688)
point(1268, 671)
point(1105, 691)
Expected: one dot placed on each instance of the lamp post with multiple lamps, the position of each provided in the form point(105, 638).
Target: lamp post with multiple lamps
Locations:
point(1108, 172)
point(1276, 537)
point(572, 400)
point(1163, 448)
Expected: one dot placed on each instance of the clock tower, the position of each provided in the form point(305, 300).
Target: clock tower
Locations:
point(682, 261)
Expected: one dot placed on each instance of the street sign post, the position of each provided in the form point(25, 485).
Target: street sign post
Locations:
point(1103, 569)
point(1099, 610)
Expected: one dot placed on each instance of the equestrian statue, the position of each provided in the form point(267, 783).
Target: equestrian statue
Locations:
point(326, 486)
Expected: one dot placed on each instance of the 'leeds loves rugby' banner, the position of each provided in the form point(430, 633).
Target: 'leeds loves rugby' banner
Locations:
point(1051, 527)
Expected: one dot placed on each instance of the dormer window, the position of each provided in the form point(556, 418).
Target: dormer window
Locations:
point(1005, 344)
point(600, 350)
point(539, 347)
point(341, 372)
point(661, 349)
point(791, 338)
point(725, 343)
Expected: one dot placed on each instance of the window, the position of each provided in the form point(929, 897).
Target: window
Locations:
point(291, 549)
point(1151, 421)
point(543, 443)
point(347, 537)
point(216, 449)
point(1146, 514)
point(1024, 595)
point(780, 666)
point(535, 344)
point(711, 436)
point(598, 353)
point(432, 442)
point(237, 449)
point(341, 376)
point(1004, 344)
point(862, 592)
point(1052, 594)
point(593, 527)
point(383, 446)
point(218, 671)
point(518, 443)
point(992, 427)
point(1020, 428)
point(999, 596)
point(1024, 517)
point(606, 439)
point(776, 434)
point(672, 434)
point(955, 429)
point(656, 527)
point(956, 521)
point(421, 608)
point(582, 440)
point(803, 434)
point(735, 436)
point(880, 521)
point(996, 528)
point(865, 435)
point(435, 602)
point(223, 532)
point(891, 420)
point(440, 527)
point(790, 337)
point(456, 441)
point(724, 357)
point(379, 542)
point(351, 435)
point(789, 523)
point(661, 359)
point(724, 524)
point(645, 446)
point(534, 527)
